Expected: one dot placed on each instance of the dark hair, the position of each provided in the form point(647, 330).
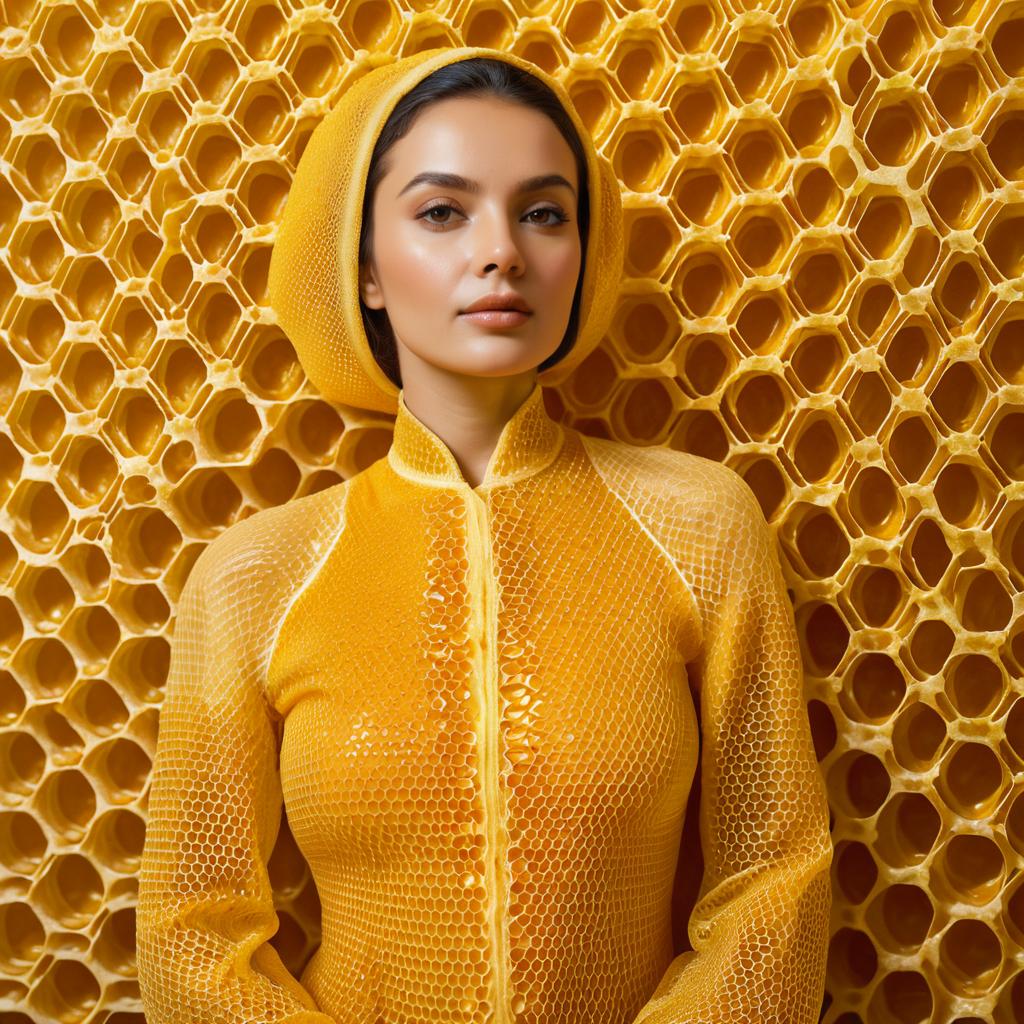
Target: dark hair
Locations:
point(475, 76)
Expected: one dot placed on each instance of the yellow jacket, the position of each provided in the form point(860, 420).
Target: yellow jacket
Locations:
point(483, 708)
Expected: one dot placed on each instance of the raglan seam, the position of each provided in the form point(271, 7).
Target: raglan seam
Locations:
point(657, 543)
point(301, 589)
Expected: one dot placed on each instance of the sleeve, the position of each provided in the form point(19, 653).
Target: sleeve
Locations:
point(205, 911)
point(759, 928)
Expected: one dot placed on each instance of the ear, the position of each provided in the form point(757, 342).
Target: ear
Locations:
point(369, 290)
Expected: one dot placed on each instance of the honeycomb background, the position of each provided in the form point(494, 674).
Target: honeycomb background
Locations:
point(825, 243)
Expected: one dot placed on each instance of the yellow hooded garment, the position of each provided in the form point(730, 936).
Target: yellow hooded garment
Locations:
point(480, 706)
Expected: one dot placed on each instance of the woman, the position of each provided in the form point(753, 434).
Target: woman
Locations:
point(472, 672)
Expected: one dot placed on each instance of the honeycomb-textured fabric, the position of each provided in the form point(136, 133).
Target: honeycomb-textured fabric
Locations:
point(477, 706)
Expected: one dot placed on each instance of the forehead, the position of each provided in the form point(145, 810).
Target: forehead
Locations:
point(492, 140)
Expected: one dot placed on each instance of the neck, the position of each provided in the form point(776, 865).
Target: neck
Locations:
point(467, 413)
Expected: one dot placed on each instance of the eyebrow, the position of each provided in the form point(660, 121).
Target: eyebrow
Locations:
point(457, 181)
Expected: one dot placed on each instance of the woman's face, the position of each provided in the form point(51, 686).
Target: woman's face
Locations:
point(438, 247)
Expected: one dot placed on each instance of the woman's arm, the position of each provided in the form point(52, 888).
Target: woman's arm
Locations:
point(205, 910)
point(759, 929)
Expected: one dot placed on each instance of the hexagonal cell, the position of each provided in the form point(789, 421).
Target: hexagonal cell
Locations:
point(1004, 34)
point(1003, 140)
point(643, 411)
point(911, 446)
point(876, 689)
point(897, 39)
point(911, 351)
point(960, 395)
point(38, 166)
point(810, 116)
point(703, 192)
point(128, 168)
point(758, 154)
point(211, 66)
point(926, 554)
point(262, 191)
point(983, 602)
point(758, 405)
point(88, 215)
point(812, 26)
point(873, 310)
point(822, 545)
point(895, 131)
point(1003, 438)
point(974, 685)
point(921, 260)
point(930, 644)
point(229, 425)
point(38, 421)
point(646, 327)
point(859, 784)
point(316, 58)
point(958, 91)
point(696, 24)
point(88, 472)
point(762, 320)
point(136, 422)
point(698, 107)
point(709, 362)
point(818, 199)
point(215, 315)
point(907, 829)
point(83, 129)
point(652, 242)
point(705, 283)
point(159, 30)
point(755, 67)
point(1004, 241)
point(596, 104)
point(701, 432)
point(877, 595)
point(67, 990)
point(972, 780)
point(815, 359)
point(642, 153)
point(874, 503)
point(211, 234)
point(820, 278)
point(261, 30)
point(641, 64)
point(856, 871)
point(882, 221)
point(900, 918)
point(819, 446)
point(26, 87)
point(212, 155)
point(260, 108)
point(963, 291)
point(162, 117)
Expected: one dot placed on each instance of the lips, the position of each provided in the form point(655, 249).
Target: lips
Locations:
point(499, 302)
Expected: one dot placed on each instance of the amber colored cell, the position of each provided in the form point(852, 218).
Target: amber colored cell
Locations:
point(818, 196)
point(877, 688)
point(857, 871)
point(1007, 444)
point(929, 552)
point(852, 960)
point(706, 364)
point(1006, 146)
point(695, 24)
point(811, 119)
point(1008, 46)
point(702, 195)
point(753, 69)
point(961, 290)
point(901, 40)
point(930, 644)
point(908, 828)
point(1004, 242)
point(882, 226)
point(911, 353)
point(823, 546)
point(957, 92)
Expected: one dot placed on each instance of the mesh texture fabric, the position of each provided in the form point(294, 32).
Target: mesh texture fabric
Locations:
point(483, 710)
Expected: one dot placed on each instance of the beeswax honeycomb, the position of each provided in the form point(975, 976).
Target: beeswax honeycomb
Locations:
point(823, 289)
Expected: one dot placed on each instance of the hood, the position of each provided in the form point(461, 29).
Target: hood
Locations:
point(314, 267)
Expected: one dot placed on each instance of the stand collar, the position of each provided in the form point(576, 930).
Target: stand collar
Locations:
point(528, 442)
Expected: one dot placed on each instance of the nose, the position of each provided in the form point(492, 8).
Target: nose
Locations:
point(496, 245)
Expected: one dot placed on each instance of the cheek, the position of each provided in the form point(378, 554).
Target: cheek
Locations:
point(413, 272)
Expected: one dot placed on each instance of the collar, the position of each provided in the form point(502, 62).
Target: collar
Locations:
point(528, 442)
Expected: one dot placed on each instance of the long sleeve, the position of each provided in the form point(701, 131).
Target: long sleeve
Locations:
point(205, 911)
point(759, 928)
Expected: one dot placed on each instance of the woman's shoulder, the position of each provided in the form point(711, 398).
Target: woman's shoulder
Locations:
point(668, 478)
point(269, 548)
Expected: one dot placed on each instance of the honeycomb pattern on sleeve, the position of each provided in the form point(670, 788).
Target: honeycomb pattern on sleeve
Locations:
point(205, 905)
point(477, 707)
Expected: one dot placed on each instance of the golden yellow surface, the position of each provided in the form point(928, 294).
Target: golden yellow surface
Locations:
point(822, 290)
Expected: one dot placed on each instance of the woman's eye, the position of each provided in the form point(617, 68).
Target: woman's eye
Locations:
point(554, 212)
